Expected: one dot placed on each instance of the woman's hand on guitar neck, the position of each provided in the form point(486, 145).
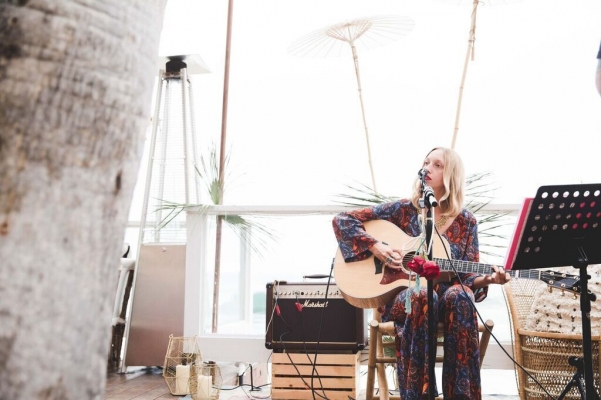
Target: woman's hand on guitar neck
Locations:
point(498, 277)
point(390, 257)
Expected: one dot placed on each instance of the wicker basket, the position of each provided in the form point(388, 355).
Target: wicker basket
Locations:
point(543, 354)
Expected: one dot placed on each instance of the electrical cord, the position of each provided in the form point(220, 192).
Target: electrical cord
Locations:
point(313, 371)
point(313, 362)
point(276, 285)
point(511, 330)
point(451, 262)
point(278, 313)
point(253, 387)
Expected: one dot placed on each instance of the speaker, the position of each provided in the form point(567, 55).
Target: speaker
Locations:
point(300, 317)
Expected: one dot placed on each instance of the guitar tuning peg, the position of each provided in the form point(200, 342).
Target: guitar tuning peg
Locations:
point(550, 289)
point(563, 292)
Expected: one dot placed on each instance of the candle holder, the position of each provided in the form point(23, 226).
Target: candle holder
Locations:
point(179, 370)
point(207, 384)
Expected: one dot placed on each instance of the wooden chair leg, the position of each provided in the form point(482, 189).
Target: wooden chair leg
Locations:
point(371, 361)
point(376, 353)
point(485, 338)
point(382, 381)
point(377, 362)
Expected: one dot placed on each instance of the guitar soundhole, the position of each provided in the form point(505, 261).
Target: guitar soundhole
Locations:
point(407, 258)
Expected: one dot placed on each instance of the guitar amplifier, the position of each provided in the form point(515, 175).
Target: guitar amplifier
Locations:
point(323, 324)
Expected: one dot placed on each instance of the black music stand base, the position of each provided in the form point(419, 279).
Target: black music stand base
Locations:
point(584, 377)
point(577, 378)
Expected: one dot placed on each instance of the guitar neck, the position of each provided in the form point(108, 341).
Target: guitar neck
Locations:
point(480, 268)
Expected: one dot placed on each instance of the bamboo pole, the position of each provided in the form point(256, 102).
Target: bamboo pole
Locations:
point(219, 225)
point(358, 75)
point(468, 56)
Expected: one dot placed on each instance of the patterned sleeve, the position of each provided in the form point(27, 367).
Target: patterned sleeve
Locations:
point(354, 242)
point(472, 246)
point(472, 253)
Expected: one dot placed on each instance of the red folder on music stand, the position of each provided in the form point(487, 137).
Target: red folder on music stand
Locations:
point(517, 233)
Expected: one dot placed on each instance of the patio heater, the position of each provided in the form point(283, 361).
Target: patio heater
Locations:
point(170, 179)
point(173, 152)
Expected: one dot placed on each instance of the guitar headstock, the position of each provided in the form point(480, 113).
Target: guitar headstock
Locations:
point(561, 281)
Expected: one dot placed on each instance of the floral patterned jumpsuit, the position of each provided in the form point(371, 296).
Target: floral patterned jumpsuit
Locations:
point(461, 366)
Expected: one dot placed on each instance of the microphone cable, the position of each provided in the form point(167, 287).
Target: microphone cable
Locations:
point(471, 302)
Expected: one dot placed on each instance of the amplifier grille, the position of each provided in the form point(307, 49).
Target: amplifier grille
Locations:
point(323, 324)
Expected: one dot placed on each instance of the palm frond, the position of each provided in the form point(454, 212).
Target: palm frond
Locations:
point(207, 172)
point(364, 196)
point(209, 175)
point(174, 209)
point(247, 228)
point(389, 351)
point(479, 192)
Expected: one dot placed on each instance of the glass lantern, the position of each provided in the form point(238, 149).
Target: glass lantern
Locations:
point(208, 381)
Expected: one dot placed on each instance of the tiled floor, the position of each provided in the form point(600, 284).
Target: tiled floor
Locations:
point(148, 384)
point(496, 384)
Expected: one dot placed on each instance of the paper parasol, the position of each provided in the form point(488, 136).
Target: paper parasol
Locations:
point(363, 33)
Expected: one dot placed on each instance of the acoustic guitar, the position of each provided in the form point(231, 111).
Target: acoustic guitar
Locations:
point(369, 283)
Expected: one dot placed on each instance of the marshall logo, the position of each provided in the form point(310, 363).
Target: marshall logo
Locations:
point(315, 304)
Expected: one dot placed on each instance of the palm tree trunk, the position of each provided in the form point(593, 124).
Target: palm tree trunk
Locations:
point(76, 81)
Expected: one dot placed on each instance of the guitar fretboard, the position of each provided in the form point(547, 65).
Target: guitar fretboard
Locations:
point(479, 268)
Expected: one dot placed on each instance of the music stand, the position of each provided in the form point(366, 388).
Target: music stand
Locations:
point(561, 226)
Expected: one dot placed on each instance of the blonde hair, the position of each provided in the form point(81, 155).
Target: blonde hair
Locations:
point(453, 178)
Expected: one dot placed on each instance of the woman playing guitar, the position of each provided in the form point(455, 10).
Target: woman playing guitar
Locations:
point(444, 173)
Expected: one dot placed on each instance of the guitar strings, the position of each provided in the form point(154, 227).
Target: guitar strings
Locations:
point(551, 278)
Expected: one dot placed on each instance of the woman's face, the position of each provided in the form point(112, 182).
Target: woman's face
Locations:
point(434, 163)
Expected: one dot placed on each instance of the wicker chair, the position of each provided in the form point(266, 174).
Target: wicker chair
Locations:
point(543, 354)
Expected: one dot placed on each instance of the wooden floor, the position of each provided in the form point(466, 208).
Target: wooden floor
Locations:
point(148, 384)
point(144, 384)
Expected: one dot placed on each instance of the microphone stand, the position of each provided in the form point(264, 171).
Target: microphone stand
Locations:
point(428, 205)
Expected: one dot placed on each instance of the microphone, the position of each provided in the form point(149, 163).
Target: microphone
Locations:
point(427, 190)
point(429, 196)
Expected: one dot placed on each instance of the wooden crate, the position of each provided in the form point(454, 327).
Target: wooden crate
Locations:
point(336, 376)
